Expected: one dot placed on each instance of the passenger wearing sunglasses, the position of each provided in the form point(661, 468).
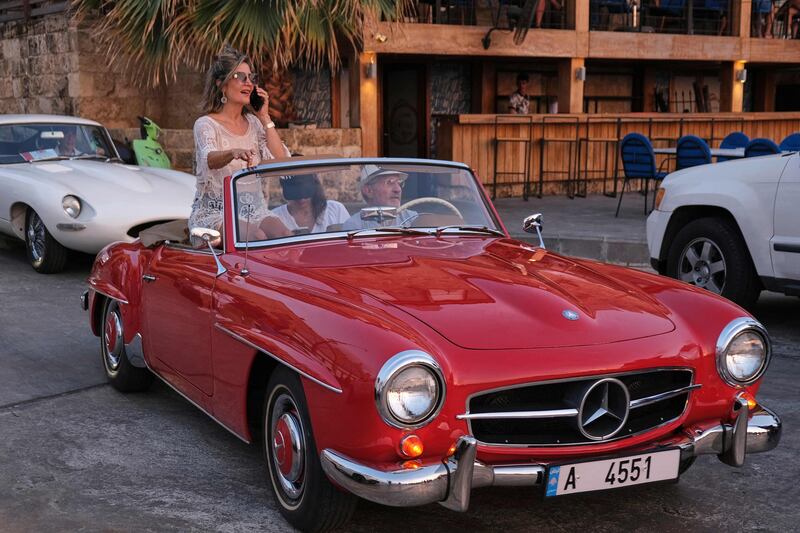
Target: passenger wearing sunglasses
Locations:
point(230, 136)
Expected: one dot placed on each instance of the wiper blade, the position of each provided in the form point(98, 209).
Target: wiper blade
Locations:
point(388, 229)
point(474, 229)
point(90, 156)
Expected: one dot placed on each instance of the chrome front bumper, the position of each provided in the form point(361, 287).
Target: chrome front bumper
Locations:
point(451, 481)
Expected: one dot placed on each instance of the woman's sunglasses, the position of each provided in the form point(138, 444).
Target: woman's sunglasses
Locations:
point(242, 77)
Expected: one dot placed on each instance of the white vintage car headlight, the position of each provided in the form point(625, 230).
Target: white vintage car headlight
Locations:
point(743, 351)
point(409, 389)
point(71, 205)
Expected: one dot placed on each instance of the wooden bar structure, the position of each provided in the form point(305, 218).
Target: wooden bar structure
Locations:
point(576, 154)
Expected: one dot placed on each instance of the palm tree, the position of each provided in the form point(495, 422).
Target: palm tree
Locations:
point(155, 37)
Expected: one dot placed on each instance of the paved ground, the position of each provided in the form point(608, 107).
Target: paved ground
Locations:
point(77, 456)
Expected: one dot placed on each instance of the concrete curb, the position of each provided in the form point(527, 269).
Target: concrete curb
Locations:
point(600, 248)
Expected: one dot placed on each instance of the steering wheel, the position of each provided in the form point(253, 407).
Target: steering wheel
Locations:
point(431, 200)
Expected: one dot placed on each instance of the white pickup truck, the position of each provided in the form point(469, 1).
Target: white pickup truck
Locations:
point(732, 228)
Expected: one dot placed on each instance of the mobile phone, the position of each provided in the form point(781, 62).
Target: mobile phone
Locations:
point(256, 101)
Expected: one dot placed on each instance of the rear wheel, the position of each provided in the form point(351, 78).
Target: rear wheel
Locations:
point(122, 375)
point(306, 498)
point(45, 254)
point(710, 253)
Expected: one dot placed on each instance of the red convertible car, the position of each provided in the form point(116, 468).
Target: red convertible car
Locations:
point(392, 343)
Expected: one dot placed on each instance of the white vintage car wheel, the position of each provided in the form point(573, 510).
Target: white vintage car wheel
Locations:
point(45, 254)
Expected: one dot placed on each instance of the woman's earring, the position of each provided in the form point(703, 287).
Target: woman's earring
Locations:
point(224, 99)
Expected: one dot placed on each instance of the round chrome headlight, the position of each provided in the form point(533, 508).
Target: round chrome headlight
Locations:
point(409, 389)
point(743, 351)
point(71, 205)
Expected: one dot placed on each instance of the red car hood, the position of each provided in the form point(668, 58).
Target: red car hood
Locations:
point(487, 293)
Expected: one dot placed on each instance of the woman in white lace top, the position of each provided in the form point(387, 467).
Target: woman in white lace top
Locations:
point(231, 136)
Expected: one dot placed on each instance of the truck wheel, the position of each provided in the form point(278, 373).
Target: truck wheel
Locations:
point(306, 498)
point(710, 253)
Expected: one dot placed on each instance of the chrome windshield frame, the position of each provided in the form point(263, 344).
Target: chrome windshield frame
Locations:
point(289, 164)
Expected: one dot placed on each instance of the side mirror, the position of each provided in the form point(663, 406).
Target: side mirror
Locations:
point(206, 234)
point(211, 237)
point(533, 224)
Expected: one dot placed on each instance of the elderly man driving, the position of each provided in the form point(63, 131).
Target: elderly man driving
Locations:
point(382, 189)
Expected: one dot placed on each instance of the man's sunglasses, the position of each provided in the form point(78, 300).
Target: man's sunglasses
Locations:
point(242, 77)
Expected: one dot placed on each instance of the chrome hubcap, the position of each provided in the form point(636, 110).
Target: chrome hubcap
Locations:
point(288, 446)
point(702, 264)
point(36, 237)
point(112, 339)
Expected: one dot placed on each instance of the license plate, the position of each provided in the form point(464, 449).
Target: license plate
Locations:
point(613, 473)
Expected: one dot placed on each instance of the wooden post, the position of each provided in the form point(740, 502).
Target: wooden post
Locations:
point(740, 18)
point(570, 89)
point(731, 90)
point(368, 98)
point(488, 87)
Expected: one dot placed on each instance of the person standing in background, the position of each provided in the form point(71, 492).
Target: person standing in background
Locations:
point(519, 101)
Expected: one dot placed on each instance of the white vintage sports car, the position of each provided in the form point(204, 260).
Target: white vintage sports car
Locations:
point(732, 227)
point(64, 187)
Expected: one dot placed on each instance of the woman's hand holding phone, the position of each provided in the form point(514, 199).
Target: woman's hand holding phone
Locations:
point(261, 97)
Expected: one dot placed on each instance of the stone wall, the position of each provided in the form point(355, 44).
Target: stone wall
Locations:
point(179, 143)
point(37, 62)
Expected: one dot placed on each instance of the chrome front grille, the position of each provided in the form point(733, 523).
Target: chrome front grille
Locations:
point(548, 413)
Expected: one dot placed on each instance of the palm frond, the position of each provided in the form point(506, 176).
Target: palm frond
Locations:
point(154, 37)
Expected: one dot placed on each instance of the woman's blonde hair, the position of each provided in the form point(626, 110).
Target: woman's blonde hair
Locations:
point(221, 70)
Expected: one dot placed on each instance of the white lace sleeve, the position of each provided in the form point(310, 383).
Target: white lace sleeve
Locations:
point(207, 205)
point(205, 142)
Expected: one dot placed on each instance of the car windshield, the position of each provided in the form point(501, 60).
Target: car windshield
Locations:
point(43, 142)
point(357, 199)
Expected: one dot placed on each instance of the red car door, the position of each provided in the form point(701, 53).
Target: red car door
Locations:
point(177, 295)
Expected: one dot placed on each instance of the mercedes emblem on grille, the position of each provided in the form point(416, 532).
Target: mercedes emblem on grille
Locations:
point(604, 409)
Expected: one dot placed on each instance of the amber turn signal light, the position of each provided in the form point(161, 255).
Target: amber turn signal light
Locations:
point(659, 196)
point(750, 399)
point(411, 446)
point(451, 450)
point(411, 464)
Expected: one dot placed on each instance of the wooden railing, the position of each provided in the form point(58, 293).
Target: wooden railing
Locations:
point(578, 154)
point(11, 10)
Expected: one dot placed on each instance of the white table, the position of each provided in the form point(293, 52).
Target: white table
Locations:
point(715, 152)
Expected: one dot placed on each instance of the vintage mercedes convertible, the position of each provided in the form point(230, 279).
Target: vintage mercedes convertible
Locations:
point(401, 348)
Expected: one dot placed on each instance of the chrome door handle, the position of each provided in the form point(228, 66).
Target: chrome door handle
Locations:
point(148, 278)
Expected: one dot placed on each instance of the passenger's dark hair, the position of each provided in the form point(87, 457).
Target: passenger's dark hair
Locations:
point(522, 76)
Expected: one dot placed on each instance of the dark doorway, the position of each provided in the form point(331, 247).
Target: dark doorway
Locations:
point(786, 98)
point(404, 110)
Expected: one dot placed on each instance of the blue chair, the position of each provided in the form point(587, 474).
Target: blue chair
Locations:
point(691, 151)
point(638, 162)
point(760, 146)
point(737, 139)
point(791, 143)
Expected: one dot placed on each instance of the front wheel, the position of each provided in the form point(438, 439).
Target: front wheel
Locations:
point(307, 499)
point(710, 253)
point(45, 253)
